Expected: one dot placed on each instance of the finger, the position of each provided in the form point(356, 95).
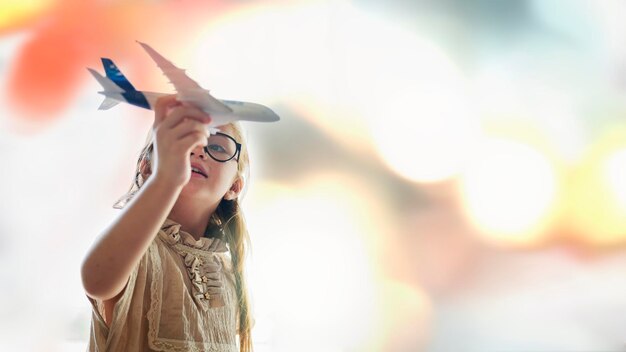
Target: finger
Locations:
point(187, 127)
point(192, 140)
point(179, 113)
point(161, 107)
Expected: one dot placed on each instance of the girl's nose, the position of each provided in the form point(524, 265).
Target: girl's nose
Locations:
point(199, 151)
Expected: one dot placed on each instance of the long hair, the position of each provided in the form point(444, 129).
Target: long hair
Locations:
point(228, 217)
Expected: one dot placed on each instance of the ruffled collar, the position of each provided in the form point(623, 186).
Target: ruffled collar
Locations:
point(172, 234)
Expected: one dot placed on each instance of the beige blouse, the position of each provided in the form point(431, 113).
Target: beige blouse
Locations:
point(179, 297)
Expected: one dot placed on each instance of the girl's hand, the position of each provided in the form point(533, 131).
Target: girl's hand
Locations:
point(177, 129)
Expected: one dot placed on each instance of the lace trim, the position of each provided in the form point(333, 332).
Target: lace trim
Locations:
point(205, 276)
point(172, 234)
point(204, 268)
point(221, 320)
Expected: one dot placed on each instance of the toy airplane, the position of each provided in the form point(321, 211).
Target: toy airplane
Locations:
point(118, 89)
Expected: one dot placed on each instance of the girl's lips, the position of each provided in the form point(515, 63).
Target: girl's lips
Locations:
point(195, 174)
point(199, 167)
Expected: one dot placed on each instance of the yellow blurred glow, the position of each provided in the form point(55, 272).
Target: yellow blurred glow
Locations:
point(406, 317)
point(509, 192)
point(615, 173)
point(310, 262)
point(597, 191)
point(15, 12)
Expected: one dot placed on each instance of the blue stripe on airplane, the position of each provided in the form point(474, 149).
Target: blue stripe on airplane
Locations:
point(136, 98)
point(115, 75)
point(131, 95)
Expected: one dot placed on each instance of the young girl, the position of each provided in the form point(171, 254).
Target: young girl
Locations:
point(168, 274)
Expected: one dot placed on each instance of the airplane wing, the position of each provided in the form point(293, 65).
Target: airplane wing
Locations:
point(106, 83)
point(108, 103)
point(187, 89)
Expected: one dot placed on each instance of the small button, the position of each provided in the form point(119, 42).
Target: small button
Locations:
point(207, 295)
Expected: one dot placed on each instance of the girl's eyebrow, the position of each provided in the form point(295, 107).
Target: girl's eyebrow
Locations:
point(225, 134)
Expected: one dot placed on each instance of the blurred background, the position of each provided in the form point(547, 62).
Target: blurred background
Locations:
point(448, 175)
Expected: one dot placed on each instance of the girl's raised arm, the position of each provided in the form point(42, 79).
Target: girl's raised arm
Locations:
point(108, 264)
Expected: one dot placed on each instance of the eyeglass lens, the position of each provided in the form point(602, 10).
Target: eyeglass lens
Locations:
point(221, 147)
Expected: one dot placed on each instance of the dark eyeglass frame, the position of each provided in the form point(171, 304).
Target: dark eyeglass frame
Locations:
point(237, 150)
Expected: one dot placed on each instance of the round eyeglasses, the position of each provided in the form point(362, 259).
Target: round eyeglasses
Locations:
point(222, 147)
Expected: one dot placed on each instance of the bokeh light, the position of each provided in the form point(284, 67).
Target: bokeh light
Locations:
point(509, 190)
point(330, 295)
point(615, 173)
point(596, 204)
point(421, 135)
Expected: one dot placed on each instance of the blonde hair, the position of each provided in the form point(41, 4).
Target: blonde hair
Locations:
point(228, 218)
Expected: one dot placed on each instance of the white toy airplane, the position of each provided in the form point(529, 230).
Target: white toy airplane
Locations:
point(118, 89)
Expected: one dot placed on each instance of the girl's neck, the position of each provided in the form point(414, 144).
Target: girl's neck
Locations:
point(193, 219)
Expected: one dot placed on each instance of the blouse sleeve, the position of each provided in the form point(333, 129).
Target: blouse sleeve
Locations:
point(100, 333)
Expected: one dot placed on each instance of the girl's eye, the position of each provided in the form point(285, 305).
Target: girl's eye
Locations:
point(216, 148)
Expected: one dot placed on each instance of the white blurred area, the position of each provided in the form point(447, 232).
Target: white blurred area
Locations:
point(446, 176)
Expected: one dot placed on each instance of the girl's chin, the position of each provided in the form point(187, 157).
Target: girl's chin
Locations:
point(194, 189)
point(195, 183)
point(199, 185)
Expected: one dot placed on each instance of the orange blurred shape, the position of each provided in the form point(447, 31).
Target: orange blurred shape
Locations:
point(50, 67)
point(45, 76)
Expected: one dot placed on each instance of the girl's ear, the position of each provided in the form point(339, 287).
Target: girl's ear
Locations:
point(235, 189)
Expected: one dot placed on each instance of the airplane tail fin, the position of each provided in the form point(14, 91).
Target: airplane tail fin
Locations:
point(110, 88)
point(114, 74)
point(117, 88)
point(106, 83)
